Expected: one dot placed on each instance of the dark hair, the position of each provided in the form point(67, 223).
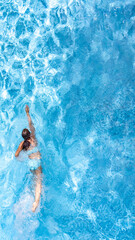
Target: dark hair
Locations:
point(26, 134)
point(26, 145)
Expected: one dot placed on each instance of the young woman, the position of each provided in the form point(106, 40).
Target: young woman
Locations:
point(29, 145)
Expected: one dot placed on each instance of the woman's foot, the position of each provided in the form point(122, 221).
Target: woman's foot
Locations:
point(35, 205)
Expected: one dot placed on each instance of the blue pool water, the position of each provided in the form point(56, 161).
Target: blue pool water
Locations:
point(73, 63)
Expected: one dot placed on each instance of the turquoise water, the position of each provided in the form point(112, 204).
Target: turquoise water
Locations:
point(73, 63)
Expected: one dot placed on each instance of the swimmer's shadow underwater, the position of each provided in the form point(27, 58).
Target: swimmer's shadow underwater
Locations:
point(33, 156)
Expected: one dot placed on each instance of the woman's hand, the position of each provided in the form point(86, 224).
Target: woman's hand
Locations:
point(27, 109)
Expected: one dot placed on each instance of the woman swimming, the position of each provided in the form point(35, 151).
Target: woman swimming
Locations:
point(29, 145)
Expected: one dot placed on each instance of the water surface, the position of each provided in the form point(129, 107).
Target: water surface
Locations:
point(73, 63)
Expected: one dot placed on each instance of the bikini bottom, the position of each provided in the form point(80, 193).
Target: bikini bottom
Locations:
point(34, 163)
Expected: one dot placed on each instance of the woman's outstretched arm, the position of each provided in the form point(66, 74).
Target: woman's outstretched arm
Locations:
point(31, 126)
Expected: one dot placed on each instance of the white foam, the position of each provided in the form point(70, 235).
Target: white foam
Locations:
point(4, 117)
point(67, 184)
point(77, 171)
point(52, 71)
point(75, 180)
point(64, 56)
point(60, 123)
point(21, 6)
point(91, 215)
point(46, 62)
point(91, 137)
point(37, 32)
point(47, 22)
point(32, 44)
point(24, 204)
point(5, 94)
point(54, 3)
point(32, 99)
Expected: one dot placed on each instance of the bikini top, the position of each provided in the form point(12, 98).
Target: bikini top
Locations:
point(33, 150)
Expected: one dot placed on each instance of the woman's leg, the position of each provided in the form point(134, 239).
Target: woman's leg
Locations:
point(38, 188)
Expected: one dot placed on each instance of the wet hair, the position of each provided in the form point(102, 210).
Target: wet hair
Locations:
point(26, 145)
point(26, 134)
